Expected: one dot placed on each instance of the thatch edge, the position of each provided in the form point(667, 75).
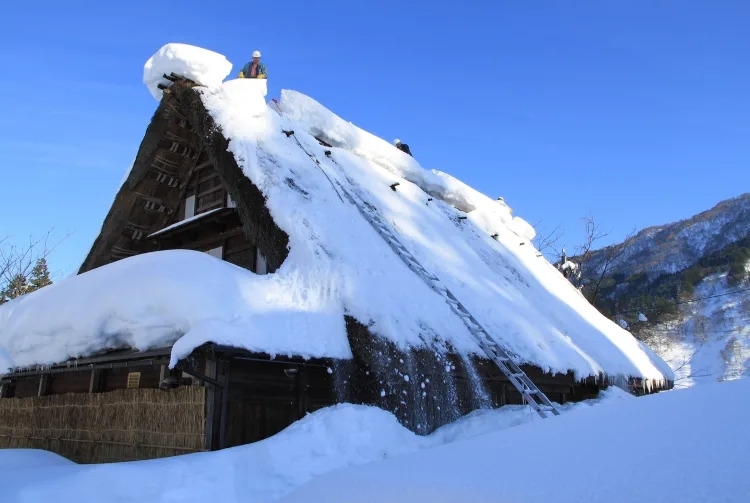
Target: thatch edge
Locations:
point(257, 222)
point(115, 219)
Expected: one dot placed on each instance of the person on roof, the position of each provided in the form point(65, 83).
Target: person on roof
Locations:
point(254, 69)
point(402, 146)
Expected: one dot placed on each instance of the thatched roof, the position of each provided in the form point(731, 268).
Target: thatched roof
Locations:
point(184, 136)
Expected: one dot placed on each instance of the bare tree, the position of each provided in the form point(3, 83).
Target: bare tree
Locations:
point(592, 235)
point(547, 240)
point(17, 262)
point(593, 278)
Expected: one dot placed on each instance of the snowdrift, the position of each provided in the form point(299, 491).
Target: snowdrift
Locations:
point(692, 450)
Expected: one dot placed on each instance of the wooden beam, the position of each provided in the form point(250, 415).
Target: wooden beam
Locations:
point(210, 403)
point(95, 382)
point(43, 385)
point(203, 165)
point(218, 238)
point(170, 219)
point(224, 404)
point(302, 395)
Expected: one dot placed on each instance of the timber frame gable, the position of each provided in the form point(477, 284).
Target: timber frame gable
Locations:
point(184, 181)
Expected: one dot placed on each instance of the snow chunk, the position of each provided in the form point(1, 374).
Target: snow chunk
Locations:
point(200, 65)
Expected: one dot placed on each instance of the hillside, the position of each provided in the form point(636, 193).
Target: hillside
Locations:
point(708, 339)
point(674, 247)
point(683, 288)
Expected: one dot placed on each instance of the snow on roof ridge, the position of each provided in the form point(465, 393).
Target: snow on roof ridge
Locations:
point(324, 124)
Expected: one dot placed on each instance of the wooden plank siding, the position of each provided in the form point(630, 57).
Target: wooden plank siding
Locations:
point(266, 397)
point(206, 192)
point(70, 382)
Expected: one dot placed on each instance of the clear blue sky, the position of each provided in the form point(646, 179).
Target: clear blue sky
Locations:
point(636, 112)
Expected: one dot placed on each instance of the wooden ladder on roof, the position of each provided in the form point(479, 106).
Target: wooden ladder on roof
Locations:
point(520, 380)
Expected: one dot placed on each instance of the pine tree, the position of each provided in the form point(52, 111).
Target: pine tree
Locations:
point(39, 276)
point(16, 287)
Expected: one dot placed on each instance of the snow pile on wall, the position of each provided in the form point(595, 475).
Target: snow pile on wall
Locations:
point(151, 300)
point(195, 63)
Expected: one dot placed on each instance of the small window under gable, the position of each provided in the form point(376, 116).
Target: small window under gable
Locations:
point(190, 207)
point(217, 252)
point(260, 262)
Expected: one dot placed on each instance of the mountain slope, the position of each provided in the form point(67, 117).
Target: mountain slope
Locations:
point(673, 247)
point(709, 337)
point(690, 279)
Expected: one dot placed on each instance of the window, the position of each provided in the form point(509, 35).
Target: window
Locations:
point(190, 207)
point(210, 200)
point(134, 380)
point(243, 258)
point(216, 252)
point(230, 202)
point(260, 262)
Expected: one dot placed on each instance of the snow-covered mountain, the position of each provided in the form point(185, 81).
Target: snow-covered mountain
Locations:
point(690, 278)
point(673, 247)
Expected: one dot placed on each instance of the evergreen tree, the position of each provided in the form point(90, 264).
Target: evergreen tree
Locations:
point(16, 287)
point(39, 275)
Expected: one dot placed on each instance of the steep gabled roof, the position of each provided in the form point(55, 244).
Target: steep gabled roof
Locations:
point(287, 186)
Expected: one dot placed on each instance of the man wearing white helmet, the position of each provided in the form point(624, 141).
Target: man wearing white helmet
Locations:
point(402, 146)
point(254, 69)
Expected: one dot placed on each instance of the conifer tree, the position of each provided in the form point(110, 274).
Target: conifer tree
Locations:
point(16, 287)
point(39, 275)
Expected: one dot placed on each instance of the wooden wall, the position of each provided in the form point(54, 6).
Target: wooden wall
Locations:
point(83, 381)
point(218, 233)
point(267, 396)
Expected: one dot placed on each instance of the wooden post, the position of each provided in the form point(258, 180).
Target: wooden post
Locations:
point(210, 402)
point(43, 385)
point(95, 382)
point(302, 396)
point(224, 404)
